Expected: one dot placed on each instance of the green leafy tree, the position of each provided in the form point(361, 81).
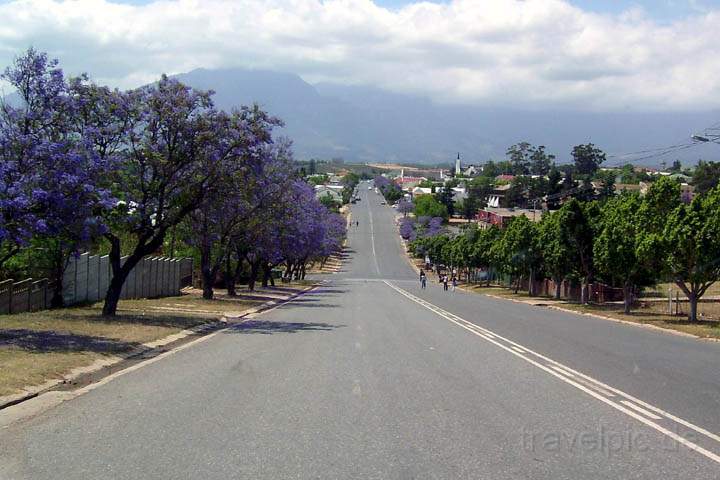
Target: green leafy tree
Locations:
point(481, 253)
point(618, 253)
point(607, 180)
point(445, 197)
point(491, 169)
point(691, 247)
point(516, 195)
point(479, 189)
point(537, 188)
point(540, 161)
point(468, 207)
point(559, 257)
point(662, 197)
point(350, 182)
point(706, 176)
point(517, 253)
point(577, 230)
point(330, 203)
point(587, 159)
point(519, 156)
point(318, 179)
point(428, 206)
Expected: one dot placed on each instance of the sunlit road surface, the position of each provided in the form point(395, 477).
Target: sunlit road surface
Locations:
point(371, 377)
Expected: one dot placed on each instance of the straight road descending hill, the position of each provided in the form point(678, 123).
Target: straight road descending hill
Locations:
point(368, 377)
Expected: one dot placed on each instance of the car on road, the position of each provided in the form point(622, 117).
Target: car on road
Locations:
point(383, 203)
point(369, 188)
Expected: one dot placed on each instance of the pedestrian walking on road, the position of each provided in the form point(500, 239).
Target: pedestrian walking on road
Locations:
point(445, 282)
point(454, 283)
point(423, 279)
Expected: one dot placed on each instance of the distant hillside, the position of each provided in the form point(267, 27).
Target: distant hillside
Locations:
point(370, 125)
point(367, 124)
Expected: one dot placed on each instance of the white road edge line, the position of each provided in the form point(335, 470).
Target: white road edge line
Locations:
point(622, 408)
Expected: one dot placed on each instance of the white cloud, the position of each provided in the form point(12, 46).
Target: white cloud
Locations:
point(529, 53)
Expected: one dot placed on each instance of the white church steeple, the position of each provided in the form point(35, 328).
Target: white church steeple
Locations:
point(457, 165)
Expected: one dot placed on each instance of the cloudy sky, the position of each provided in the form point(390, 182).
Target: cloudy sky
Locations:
point(586, 54)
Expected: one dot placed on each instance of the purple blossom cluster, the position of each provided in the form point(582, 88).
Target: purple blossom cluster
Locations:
point(420, 227)
point(407, 228)
point(80, 162)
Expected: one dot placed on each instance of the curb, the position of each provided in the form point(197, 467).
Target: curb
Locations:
point(145, 349)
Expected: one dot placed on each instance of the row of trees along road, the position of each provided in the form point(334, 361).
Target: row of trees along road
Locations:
point(627, 241)
point(134, 173)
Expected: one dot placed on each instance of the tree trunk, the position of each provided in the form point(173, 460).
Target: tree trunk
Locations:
point(208, 278)
point(693, 300)
point(112, 297)
point(121, 272)
point(60, 262)
point(627, 297)
point(583, 292)
point(288, 270)
point(254, 267)
point(531, 283)
point(558, 288)
point(229, 277)
point(266, 276)
point(57, 300)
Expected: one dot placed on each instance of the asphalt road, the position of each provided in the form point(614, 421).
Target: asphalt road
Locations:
point(370, 377)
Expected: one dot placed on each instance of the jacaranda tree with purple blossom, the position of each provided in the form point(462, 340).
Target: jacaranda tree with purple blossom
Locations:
point(176, 145)
point(54, 190)
point(83, 166)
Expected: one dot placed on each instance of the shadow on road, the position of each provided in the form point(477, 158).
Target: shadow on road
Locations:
point(266, 327)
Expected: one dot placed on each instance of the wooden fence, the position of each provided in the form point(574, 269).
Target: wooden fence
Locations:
point(87, 278)
point(25, 296)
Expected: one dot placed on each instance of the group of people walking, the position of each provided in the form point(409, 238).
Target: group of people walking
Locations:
point(446, 280)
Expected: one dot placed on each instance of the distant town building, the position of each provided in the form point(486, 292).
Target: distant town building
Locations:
point(458, 168)
point(334, 191)
point(472, 170)
point(417, 191)
point(408, 183)
point(497, 195)
point(459, 193)
point(640, 188)
point(501, 216)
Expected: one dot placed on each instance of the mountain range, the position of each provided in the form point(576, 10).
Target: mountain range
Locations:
point(365, 124)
